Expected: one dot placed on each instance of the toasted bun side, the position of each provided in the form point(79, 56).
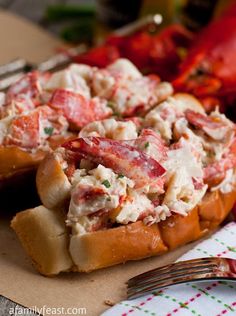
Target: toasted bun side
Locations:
point(188, 101)
point(52, 184)
point(44, 236)
point(178, 230)
point(117, 245)
point(228, 201)
point(134, 241)
point(45, 239)
point(214, 208)
point(14, 160)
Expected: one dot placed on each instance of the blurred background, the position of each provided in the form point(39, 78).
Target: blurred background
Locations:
point(191, 43)
point(89, 20)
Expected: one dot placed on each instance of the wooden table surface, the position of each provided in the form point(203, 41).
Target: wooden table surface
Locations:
point(23, 39)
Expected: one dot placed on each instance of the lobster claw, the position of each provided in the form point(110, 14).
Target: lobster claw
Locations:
point(209, 70)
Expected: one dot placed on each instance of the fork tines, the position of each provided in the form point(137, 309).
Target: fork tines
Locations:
point(180, 272)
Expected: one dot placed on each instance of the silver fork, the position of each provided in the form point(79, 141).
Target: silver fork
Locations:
point(14, 70)
point(202, 269)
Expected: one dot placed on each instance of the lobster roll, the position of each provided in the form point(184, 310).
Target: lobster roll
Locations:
point(127, 189)
point(41, 110)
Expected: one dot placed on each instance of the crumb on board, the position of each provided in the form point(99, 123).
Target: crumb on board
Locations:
point(109, 303)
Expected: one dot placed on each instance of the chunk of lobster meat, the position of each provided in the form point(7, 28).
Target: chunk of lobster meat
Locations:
point(126, 68)
point(216, 172)
point(100, 109)
point(73, 106)
point(28, 86)
point(138, 121)
point(152, 144)
point(88, 198)
point(77, 109)
point(163, 117)
point(120, 157)
point(30, 130)
point(194, 145)
point(17, 106)
point(110, 128)
point(132, 97)
point(103, 83)
point(212, 126)
point(24, 131)
point(51, 122)
point(74, 78)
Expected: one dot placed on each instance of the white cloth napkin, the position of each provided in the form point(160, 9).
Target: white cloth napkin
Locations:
point(191, 299)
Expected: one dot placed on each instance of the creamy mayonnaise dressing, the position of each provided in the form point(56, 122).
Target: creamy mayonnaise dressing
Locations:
point(110, 128)
point(107, 188)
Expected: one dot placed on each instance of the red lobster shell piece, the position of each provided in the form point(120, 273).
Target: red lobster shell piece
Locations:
point(209, 70)
point(122, 158)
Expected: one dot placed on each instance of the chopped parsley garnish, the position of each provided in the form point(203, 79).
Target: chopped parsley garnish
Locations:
point(147, 145)
point(106, 183)
point(120, 176)
point(111, 104)
point(48, 130)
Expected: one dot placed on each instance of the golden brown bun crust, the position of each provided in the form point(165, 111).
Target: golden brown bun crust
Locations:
point(117, 245)
point(14, 160)
point(228, 200)
point(214, 208)
point(45, 238)
point(178, 230)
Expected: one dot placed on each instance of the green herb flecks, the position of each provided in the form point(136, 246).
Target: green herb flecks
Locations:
point(106, 183)
point(48, 131)
point(120, 176)
point(112, 106)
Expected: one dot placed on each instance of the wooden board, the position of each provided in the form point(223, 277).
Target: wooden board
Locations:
point(21, 38)
point(21, 283)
